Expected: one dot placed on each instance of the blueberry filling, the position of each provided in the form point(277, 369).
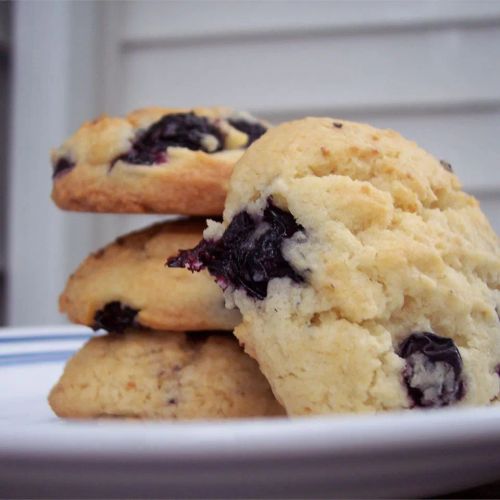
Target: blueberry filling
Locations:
point(447, 166)
point(253, 129)
point(62, 166)
point(249, 253)
point(115, 317)
point(185, 130)
point(433, 372)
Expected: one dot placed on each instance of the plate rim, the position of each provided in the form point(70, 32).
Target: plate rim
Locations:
point(256, 438)
point(418, 429)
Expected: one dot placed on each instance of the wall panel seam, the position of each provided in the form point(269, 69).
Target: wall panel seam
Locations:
point(306, 32)
point(429, 108)
point(486, 192)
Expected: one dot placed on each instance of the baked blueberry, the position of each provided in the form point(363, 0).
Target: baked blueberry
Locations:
point(115, 317)
point(185, 130)
point(249, 253)
point(62, 166)
point(446, 165)
point(433, 372)
point(253, 129)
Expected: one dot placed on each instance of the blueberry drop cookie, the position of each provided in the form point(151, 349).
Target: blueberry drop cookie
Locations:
point(163, 375)
point(367, 279)
point(127, 284)
point(156, 160)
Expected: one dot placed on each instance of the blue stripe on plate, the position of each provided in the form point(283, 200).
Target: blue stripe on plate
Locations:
point(34, 357)
point(49, 338)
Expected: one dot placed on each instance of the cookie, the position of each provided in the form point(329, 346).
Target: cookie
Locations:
point(156, 160)
point(367, 279)
point(127, 284)
point(162, 375)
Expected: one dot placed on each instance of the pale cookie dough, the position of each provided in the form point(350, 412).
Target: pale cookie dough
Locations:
point(156, 160)
point(367, 279)
point(127, 284)
point(162, 375)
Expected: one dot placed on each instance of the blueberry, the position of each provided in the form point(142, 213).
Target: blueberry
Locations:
point(115, 317)
point(253, 129)
point(62, 166)
point(185, 130)
point(447, 166)
point(433, 372)
point(249, 253)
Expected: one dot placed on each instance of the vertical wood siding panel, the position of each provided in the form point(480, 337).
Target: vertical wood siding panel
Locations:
point(36, 239)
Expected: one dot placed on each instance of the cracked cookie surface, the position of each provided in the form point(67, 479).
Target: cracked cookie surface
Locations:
point(156, 160)
point(162, 375)
point(126, 284)
point(400, 273)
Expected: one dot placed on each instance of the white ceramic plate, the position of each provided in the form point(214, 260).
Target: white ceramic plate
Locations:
point(398, 454)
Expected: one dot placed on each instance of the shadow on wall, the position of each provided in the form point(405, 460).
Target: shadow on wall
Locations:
point(5, 9)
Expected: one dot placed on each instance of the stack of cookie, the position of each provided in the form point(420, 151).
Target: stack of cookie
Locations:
point(366, 279)
point(169, 351)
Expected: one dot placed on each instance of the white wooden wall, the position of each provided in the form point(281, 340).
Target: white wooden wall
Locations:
point(430, 69)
